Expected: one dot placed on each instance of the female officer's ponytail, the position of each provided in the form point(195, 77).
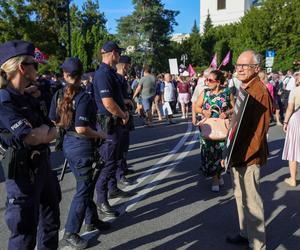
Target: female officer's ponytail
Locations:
point(65, 106)
point(9, 69)
point(3, 79)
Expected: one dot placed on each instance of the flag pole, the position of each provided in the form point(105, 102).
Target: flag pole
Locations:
point(221, 65)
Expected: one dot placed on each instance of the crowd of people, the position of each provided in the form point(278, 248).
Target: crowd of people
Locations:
point(91, 115)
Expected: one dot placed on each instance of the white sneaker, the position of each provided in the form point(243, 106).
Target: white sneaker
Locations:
point(182, 117)
point(215, 188)
point(221, 181)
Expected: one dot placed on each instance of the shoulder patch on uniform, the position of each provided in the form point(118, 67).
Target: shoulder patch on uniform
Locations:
point(83, 118)
point(19, 123)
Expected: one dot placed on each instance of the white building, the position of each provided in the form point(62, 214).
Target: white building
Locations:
point(179, 38)
point(224, 11)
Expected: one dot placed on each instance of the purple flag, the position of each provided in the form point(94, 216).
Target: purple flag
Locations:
point(226, 59)
point(214, 63)
point(191, 71)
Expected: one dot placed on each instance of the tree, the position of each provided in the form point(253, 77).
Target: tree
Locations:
point(147, 31)
point(207, 24)
point(91, 16)
point(14, 20)
point(195, 29)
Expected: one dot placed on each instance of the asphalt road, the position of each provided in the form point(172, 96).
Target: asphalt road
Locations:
point(174, 207)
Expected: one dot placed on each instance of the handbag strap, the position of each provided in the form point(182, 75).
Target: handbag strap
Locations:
point(213, 110)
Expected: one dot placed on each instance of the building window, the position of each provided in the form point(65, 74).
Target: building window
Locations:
point(221, 4)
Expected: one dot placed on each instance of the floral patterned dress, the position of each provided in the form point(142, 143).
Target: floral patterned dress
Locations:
point(211, 151)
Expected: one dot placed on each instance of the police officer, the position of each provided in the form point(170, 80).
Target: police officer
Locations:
point(122, 70)
point(33, 192)
point(112, 115)
point(77, 115)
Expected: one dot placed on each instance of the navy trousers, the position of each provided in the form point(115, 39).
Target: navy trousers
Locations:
point(80, 155)
point(33, 204)
point(122, 163)
point(111, 151)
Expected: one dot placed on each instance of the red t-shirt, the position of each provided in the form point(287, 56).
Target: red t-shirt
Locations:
point(183, 87)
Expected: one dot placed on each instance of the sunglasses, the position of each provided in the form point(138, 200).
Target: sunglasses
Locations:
point(35, 64)
point(211, 80)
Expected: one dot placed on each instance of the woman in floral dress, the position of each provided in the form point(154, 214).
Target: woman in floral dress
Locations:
point(211, 152)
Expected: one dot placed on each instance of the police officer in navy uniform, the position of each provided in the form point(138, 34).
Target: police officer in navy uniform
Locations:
point(112, 115)
point(33, 192)
point(122, 70)
point(76, 113)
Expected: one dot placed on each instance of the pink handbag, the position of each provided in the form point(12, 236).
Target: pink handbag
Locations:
point(215, 129)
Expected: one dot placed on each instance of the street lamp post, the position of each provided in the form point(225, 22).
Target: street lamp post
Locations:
point(64, 9)
point(69, 28)
point(183, 58)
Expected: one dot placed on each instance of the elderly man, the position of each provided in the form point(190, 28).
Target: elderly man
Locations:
point(248, 158)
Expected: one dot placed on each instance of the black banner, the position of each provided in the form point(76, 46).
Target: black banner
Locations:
point(238, 114)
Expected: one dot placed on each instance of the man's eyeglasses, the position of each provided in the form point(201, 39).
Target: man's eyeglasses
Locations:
point(35, 64)
point(245, 66)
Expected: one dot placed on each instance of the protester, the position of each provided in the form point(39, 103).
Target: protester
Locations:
point(234, 85)
point(288, 84)
point(215, 98)
point(201, 85)
point(138, 99)
point(264, 78)
point(156, 106)
point(248, 157)
point(168, 98)
point(291, 150)
point(184, 96)
point(147, 89)
point(123, 67)
point(278, 98)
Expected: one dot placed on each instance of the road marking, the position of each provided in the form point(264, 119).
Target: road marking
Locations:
point(168, 169)
point(275, 213)
point(159, 164)
point(146, 174)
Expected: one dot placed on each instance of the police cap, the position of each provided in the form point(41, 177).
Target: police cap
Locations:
point(110, 46)
point(125, 59)
point(72, 65)
point(15, 48)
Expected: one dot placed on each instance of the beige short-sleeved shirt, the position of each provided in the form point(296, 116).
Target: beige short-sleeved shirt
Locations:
point(198, 90)
point(294, 97)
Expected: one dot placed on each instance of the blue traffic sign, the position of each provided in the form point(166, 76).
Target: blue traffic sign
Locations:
point(270, 53)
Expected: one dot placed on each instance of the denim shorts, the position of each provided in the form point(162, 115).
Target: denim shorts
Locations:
point(147, 103)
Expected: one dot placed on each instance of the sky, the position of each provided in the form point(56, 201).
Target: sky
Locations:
point(114, 9)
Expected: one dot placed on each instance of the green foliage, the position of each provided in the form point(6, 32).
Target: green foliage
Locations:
point(147, 32)
point(208, 23)
point(195, 29)
point(44, 23)
point(273, 26)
